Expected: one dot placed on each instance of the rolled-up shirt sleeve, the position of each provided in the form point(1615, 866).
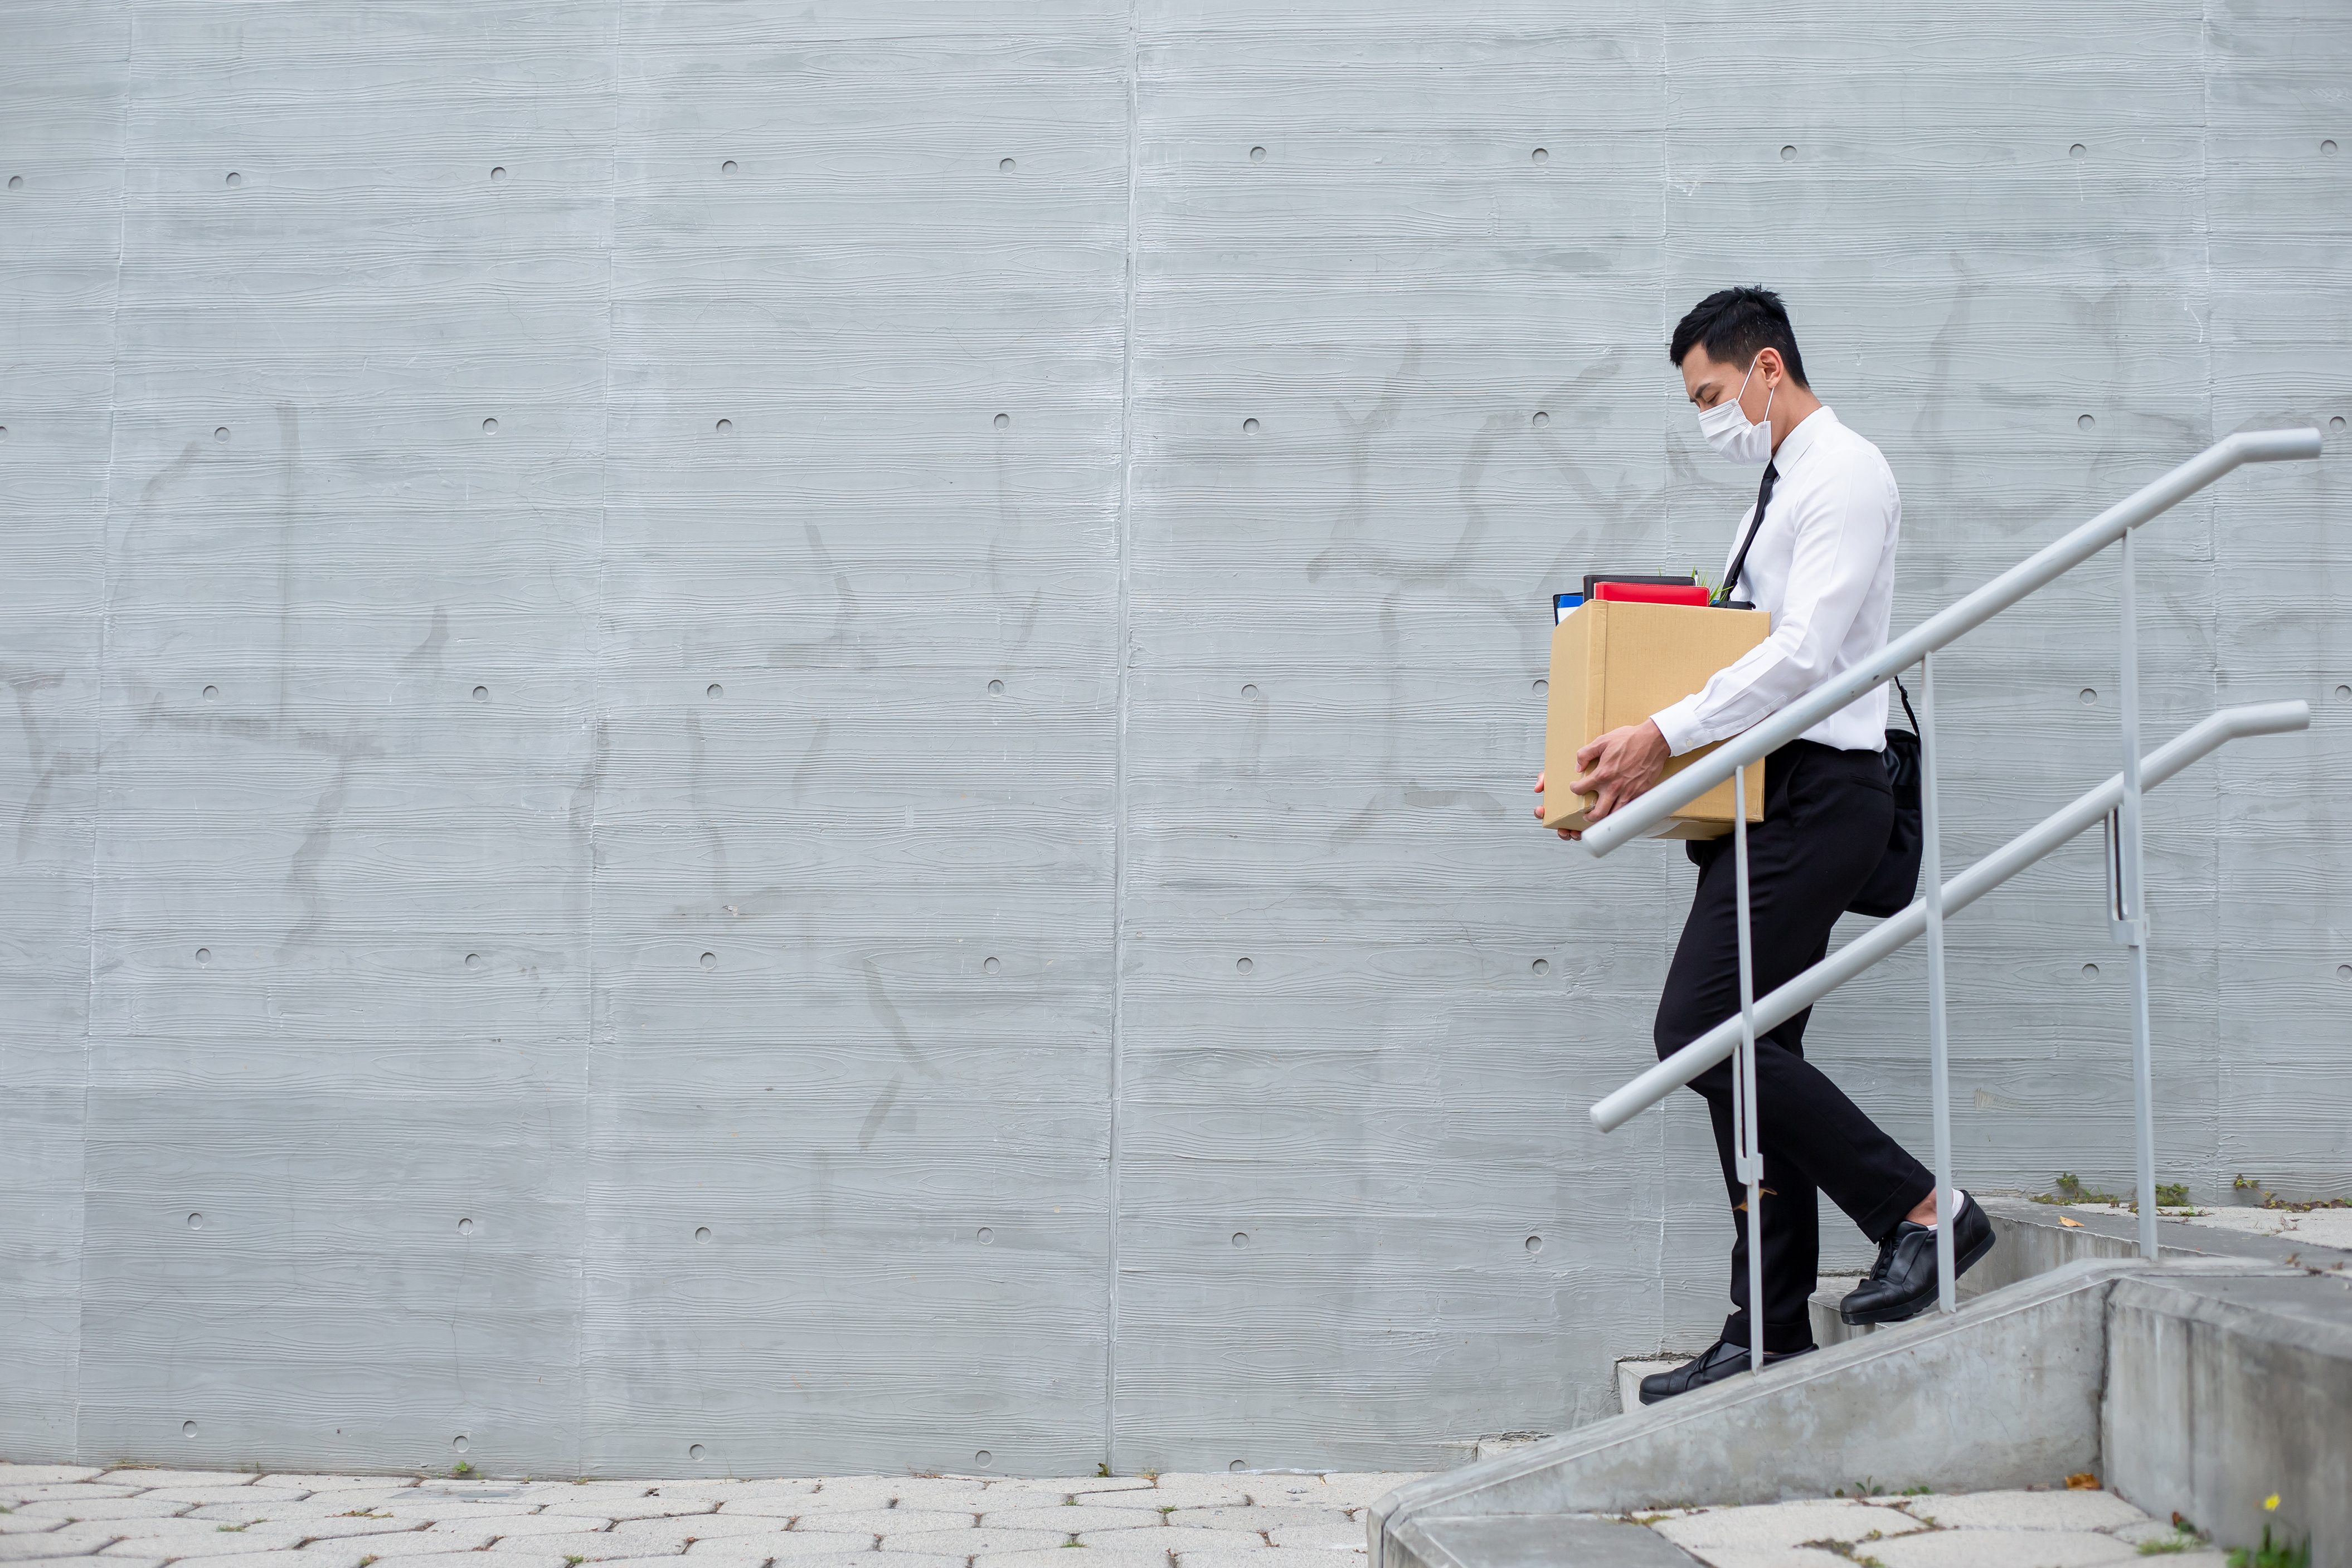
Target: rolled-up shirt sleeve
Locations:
point(1840, 532)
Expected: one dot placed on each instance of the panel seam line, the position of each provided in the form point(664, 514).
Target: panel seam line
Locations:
point(1118, 771)
point(596, 770)
point(98, 711)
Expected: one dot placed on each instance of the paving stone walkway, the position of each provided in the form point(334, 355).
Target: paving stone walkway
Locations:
point(1970, 1530)
point(60, 1516)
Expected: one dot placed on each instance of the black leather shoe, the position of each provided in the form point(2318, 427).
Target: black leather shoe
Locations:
point(1720, 1361)
point(1902, 1284)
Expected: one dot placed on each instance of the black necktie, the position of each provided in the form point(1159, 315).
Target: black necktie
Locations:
point(1763, 499)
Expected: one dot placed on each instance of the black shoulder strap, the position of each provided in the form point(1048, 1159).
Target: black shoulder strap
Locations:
point(1907, 705)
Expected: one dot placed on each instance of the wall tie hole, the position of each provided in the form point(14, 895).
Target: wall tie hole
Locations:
point(1235, 1467)
point(711, 960)
point(1249, 691)
point(195, 1222)
point(1241, 1237)
point(498, 176)
point(2087, 697)
point(2344, 971)
point(702, 1235)
point(464, 1228)
point(2076, 150)
point(1535, 1244)
point(1003, 422)
point(1249, 427)
point(2336, 425)
point(1539, 156)
point(15, 182)
point(459, 1443)
point(1540, 419)
point(983, 1459)
point(473, 960)
point(187, 1428)
point(728, 167)
point(1244, 965)
point(1541, 966)
point(204, 955)
point(211, 693)
point(489, 427)
point(1787, 154)
point(1005, 165)
point(2327, 150)
point(2344, 694)
point(221, 433)
point(987, 1236)
point(990, 966)
point(694, 1450)
point(2090, 972)
point(1257, 154)
point(1543, 688)
point(481, 694)
point(996, 688)
point(714, 691)
point(2084, 421)
point(725, 426)
point(235, 180)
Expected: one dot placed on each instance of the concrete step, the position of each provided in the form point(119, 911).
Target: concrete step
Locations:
point(1631, 1372)
point(1506, 1541)
point(2198, 1385)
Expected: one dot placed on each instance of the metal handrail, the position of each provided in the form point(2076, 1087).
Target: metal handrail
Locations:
point(2085, 813)
point(1736, 1035)
point(1638, 816)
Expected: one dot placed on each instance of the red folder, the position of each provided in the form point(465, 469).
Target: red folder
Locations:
point(1651, 592)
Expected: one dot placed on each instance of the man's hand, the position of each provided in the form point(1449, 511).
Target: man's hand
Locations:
point(1620, 764)
point(1563, 833)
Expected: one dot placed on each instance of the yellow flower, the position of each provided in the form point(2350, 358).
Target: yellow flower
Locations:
point(2269, 1503)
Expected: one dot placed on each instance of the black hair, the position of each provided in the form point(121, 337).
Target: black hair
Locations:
point(1733, 324)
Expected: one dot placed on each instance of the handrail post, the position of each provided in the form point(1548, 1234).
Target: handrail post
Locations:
point(1939, 1063)
point(2132, 929)
point(1746, 1134)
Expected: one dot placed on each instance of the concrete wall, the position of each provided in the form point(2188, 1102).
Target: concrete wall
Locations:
point(688, 797)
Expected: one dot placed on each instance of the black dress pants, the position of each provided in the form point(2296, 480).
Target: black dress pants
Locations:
point(1827, 816)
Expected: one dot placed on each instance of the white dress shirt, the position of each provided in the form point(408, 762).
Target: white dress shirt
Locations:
point(1823, 567)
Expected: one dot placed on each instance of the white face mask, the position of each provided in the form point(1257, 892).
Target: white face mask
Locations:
point(1727, 429)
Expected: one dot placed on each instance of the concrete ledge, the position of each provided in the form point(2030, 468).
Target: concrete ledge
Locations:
point(2036, 1237)
point(2221, 1390)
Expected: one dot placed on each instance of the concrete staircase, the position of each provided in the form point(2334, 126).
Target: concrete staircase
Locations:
point(2199, 1386)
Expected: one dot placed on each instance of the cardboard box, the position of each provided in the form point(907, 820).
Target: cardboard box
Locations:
point(1615, 663)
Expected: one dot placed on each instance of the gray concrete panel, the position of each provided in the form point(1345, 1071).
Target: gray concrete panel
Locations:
point(794, 740)
point(855, 826)
point(61, 93)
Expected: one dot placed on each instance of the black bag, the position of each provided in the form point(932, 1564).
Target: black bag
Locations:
point(1896, 882)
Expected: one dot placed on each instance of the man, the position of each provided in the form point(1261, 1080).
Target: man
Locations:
point(1822, 562)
